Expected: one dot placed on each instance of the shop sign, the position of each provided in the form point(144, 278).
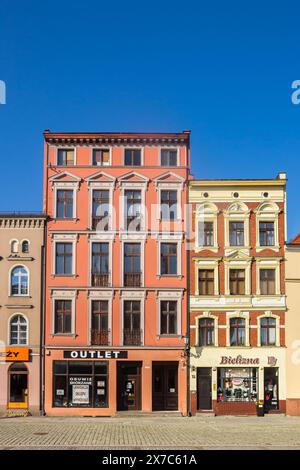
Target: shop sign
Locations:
point(95, 354)
point(239, 361)
point(14, 354)
point(80, 380)
point(272, 361)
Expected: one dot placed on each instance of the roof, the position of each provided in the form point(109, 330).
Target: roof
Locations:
point(295, 241)
point(117, 137)
point(279, 181)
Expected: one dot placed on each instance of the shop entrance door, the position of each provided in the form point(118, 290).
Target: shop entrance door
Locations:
point(129, 386)
point(204, 401)
point(271, 388)
point(165, 386)
point(18, 386)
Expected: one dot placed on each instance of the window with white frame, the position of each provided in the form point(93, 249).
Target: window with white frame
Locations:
point(65, 157)
point(64, 203)
point(206, 333)
point(100, 209)
point(18, 330)
point(168, 259)
point(63, 258)
point(236, 218)
point(206, 226)
point(267, 331)
point(100, 157)
point(14, 246)
point(168, 317)
point(168, 204)
point(267, 226)
point(19, 281)
point(169, 157)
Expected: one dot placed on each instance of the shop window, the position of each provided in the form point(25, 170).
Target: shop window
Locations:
point(237, 385)
point(80, 384)
point(271, 388)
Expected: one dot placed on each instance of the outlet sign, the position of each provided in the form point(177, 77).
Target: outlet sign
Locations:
point(95, 354)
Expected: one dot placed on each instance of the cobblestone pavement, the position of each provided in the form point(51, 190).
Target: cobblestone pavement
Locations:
point(271, 432)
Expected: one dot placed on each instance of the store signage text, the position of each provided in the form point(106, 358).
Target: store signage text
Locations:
point(239, 360)
point(14, 354)
point(91, 354)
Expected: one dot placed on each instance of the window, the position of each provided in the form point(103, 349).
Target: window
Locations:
point(206, 281)
point(168, 317)
point(132, 157)
point(206, 234)
point(14, 246)
point(132, 323)
point(80, 384)
point(206, 332)
point(168, 205)
point(237, 281)
point(267, 331)
point(63, 258)
point(236, 233)
point(64, 203)
point(100, 332)
point(65, 157)
point(133, 209)
point(266, 234)
point(63, 317)
point(100, 157)
point(25, 246)
point(19, 281)
point(267, 281)
point(18, 330)
point(100, 264)
point(239, 385)
point(237, 332)
point(132, 264)
point(168, 253)
point(100, 210)
point(168, 157)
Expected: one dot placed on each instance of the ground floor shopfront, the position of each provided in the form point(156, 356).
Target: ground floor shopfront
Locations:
point(20, 381)
point(98, 382)
point(229, 381)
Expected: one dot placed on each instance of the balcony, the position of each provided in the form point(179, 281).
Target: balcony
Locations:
point(132, 337)
point(100, 223)
point(100, 280)
point(100, 338)
point(132, 279)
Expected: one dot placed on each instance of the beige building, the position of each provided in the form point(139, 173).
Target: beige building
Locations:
point(21, 253)
point(293, 326)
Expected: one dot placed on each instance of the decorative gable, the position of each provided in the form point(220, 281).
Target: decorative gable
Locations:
point(100, 179)
point(65, 177)
point(133, 177)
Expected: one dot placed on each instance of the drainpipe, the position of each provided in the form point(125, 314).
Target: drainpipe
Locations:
point(188, 222)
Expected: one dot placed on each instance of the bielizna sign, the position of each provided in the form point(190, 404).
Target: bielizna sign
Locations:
point(95, 354)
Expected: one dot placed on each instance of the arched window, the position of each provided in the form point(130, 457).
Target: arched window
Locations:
point(206, 332)
point(237, 332)
point(14, 246)
point(25, 246)
point(19, 281)
point(268, 331)
point(18, 331)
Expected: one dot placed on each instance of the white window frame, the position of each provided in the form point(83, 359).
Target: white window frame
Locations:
point(268, 263)
point(11, 242)
point(101, 147)
point(176, 185)
point(267, 212)
point(94, 183)
point(207, 263)
point(63, 295)
point(131, 239)
point(168, 148)
point(101, 238)
point(9, 330)
point(238, 264)
point(133, 295)
point(102, 296)
point(277, 329)
point(9, 280)
point(246, 317)
point(133, 147)
point(133, 186)
point(207, 212)
point(64, 238)
point(168, 238)
point(57, 185)
point(237, 212)
point(65, 147)
point(172, 296)
point(216, 329)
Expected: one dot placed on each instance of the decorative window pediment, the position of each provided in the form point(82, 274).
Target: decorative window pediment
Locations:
point(100, 177)
point(65, 176)
point(133, 177)
point(169, 178)
point(206, 209)
point(237, 208)
point(268, 208)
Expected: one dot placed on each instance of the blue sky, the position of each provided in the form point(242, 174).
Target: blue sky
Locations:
point(222, 69)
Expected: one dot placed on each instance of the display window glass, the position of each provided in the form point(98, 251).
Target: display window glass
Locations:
point(237, 385)
point(80, 384)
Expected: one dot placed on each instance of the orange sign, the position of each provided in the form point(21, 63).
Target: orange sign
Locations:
point(14, 354)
